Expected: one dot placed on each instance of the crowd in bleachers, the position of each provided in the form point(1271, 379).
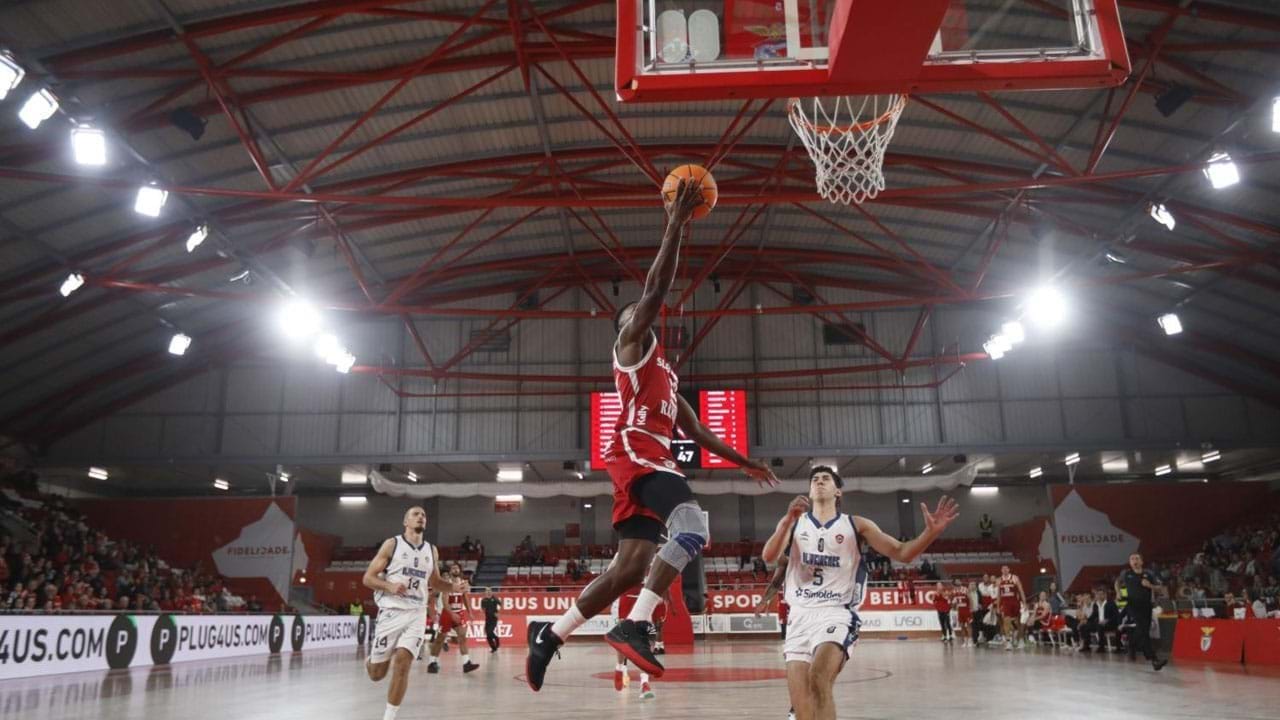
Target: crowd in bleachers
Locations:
point(54, 561)
point(1243, 562)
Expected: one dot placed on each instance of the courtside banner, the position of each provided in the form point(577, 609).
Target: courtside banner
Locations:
point(1261, 642)
point(1216, 640)
point(53, 644)
point(739, 601)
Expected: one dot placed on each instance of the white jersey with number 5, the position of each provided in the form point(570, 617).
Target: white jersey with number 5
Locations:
point(824, 567)
point(410, 565)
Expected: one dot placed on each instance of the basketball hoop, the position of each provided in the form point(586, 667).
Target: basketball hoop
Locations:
point(847, 137)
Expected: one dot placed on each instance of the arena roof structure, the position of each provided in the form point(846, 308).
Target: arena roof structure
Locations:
point(455, 190)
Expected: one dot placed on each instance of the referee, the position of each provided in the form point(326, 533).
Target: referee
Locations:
point(1138, 585)
point(490, 606)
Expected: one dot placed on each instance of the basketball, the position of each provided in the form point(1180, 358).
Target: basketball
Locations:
point(696, 172)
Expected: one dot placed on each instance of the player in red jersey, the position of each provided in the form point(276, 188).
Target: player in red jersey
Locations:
point(962, 601)
point(650, 494)
point(454, 617)
point(942, 605)
point(1010, 597)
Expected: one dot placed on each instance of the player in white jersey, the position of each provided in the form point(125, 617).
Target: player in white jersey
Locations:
point(825, 582)
point(404, 570)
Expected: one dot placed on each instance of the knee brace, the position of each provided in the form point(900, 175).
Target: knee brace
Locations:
point(687, 532)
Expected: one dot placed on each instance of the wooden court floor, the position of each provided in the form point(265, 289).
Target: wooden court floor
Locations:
point(738, 680)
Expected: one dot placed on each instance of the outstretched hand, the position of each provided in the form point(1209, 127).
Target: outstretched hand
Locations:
point(799, 506)
point(761, 473)
point(942, 516)
point(688, 198)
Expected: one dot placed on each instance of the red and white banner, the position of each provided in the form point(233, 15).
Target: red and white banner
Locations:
point(1099, 526)
point(248, 540)
point(1261, 642)
point(878, 599)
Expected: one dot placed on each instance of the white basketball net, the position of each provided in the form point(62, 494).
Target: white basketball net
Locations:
point(847, 137)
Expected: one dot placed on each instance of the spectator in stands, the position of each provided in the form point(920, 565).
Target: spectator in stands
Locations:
point(928, 570)
point(986, 527)
point(478, 548)
point(744, 553)
point(1057, 601)
point(1233, 609)
point(467, 546)
point(574, 570)
point(1040, 614)
point(1103, 618)
point(1258, 608)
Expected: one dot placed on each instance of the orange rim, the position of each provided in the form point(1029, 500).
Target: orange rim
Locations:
point(898, 106)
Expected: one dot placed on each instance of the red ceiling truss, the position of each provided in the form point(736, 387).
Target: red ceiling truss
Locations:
point(619, 172)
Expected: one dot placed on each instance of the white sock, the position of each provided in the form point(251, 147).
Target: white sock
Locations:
point(433, 658)
point(621, 667)
point(390, 712)
point(466, 659)
point(568, 622)
point(643, 609)
point(644, 678)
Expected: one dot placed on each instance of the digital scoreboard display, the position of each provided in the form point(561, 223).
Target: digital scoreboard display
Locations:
point(724, 412)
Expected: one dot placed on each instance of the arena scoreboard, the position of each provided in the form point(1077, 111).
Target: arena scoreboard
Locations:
point(724, 412)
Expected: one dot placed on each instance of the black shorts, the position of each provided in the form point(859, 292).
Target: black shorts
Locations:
point(659, 492)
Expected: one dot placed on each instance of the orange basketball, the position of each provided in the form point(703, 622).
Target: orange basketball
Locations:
point(696, 172)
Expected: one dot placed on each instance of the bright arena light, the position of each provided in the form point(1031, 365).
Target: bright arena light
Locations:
point(1013, 332)
point(11, 74)
point(1222, 171)
point(89, 145)
point(1072, 459)
point(1164, 470)
point(1046, 306)
point(39, 107)
point(928, 468)
point(353, 499)
point(1036, 472)
point(984, 490)
point(197, 236)
point(510, 473)
point(328, 348)
point(221, 484)
point(1210, 456)
point(509, 498)
point(179, 343)
point(344, 363)
point(73, 283)
point(1161, 214)
point(994, 348)
point(150, 201)
point(413, 476)
point(1275, 109)
point(1170, 323)
point(98, 473)
point(298, 319)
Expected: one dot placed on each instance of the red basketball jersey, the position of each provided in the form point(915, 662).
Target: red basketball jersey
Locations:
point(960, 600)
point(1006, 590)
point(648, 394)
point(456, 602)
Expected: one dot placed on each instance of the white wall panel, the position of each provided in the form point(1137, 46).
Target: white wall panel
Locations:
point(1156, 419)
point(415, 432)
point(549, 430)
point(365, 434)
point(972, 422)
point(1095, 420)
point(850, 426)
point(195, 395)
point(1031, 421)
point(912, 425)
point(254, 389)
point(1219, 418)
point(366, 393)
point(314, 433)
point(1087, 373)
point(1144, 376)
point(249, 434)
point(486, 431)
point(189, 435)
point(312, 388)
point(790, 427)
point(1027, 373)
point(129, 435)
point(976, 381)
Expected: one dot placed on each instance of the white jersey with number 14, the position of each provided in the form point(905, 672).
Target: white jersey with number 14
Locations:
point(824, 565)
point(411, 566)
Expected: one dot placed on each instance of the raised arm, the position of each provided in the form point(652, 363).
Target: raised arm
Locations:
point(688, 421)
point(777, 542)
point(379, 565)
point(663, 271)
point(904, 552)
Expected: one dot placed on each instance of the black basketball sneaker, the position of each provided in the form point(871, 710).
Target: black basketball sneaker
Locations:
point(635, 641)
point(543, 645)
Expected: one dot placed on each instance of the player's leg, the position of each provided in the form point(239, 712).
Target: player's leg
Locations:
point(798, 689)
point(448, 621)
point(386, 636)
point(491, 634)
point(620, 678)
point(400, 663)
point(639, 542)
point(668, 496)
point(464, 633)
point(828, 661)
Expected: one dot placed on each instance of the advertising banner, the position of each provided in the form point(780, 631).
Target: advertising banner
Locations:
point(54, 644)
point(886, 598)
point(1216, 640)
point(1261, 642)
